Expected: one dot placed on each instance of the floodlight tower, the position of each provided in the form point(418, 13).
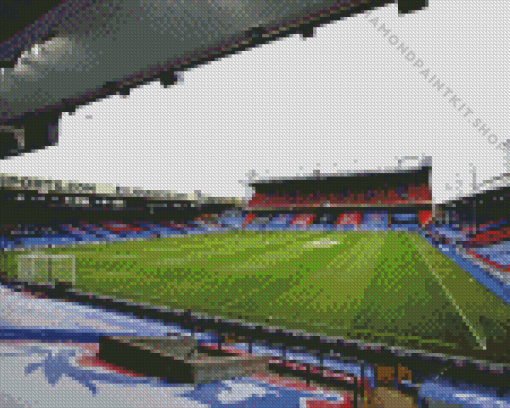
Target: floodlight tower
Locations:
point(507, 156)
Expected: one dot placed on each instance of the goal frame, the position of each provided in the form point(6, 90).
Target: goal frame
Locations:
point(30, 272)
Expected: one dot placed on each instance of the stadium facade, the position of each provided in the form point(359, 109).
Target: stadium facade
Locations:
point(478, 223)
point(38, 211)
point(48, 212)
point(487, 204)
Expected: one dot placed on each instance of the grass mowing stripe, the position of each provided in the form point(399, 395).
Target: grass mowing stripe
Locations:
point(404, 299)
point(359, 272)
point(198, 283)
point(417, 282)
point(252, 297)
point(256, 295)
point(304, 292)
point(477, 331)
point(184, 269)
point(242, 251)
point(222, 292)
point(254, 260)
point(481, 306)
point(272, 258)
point(301, 290)
point(293, 315)
point(461, 283)
point(219, 270)
point(346, 281)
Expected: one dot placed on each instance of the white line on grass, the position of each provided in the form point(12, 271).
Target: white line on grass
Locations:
point(479, 340)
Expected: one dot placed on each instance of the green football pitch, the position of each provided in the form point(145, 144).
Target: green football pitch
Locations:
point(388, 287)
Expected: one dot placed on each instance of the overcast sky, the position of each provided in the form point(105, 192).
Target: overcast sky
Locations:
point(351, 98)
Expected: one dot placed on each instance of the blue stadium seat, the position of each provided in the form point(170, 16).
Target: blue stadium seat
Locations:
point(319, 227)
point(6, 243)
point(254, 227)
point(346, 227)
point(280, 220)
point(489, 281)
point(405, 227)
point(373, 227)
point(162, 231)
point(499, 253)
point(86, 238)
point(498, 248)
point(492, 226)
point(32, 241)
point(404, 218)
point(232, 221)
point(276, 228)
point(374, 220)
point(501, 259)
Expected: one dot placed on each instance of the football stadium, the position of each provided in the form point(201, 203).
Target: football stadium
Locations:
point(356, 256)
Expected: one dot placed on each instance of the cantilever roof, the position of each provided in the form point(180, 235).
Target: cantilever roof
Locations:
point(502, 180)
point(317, 175)
point(42, 186)
point(484, 187)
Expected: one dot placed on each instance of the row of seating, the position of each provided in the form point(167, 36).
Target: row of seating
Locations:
point(402, 195)
point(472, 236)
point(490, 243)
point(498, 284)
point(83, 231)
point(491, 225)
point(348, 221)
point(489, 237)
point(497, 254)
point(68, 233)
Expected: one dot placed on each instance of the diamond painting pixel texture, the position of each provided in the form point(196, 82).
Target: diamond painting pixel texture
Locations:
point(357, 273)
point(282, 274)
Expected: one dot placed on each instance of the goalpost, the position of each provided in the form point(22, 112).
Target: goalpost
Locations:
point(44, 268)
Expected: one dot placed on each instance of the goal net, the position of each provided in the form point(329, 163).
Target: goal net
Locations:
point(39, 268)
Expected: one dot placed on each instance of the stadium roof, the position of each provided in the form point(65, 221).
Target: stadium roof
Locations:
point(43, 186)
point(484, 187)
point(317, 175)
point(500, 181)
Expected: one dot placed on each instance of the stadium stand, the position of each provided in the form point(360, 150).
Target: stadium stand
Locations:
point(474, 232)
point(367, 201)
point(348, 221)
point(31, 235)
point(374, 221)
point(402, 195)
point(280, 222)
point(494, 282)
point(258, 223)
point(497, 253)
point(404, 222)
point(125, 215)
point(78, 213)
point(231, 220)
point(301, 221)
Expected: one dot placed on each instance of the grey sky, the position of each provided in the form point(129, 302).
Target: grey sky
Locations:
point(295, 105)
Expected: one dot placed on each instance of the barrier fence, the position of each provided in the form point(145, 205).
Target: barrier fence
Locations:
point(364, 367)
